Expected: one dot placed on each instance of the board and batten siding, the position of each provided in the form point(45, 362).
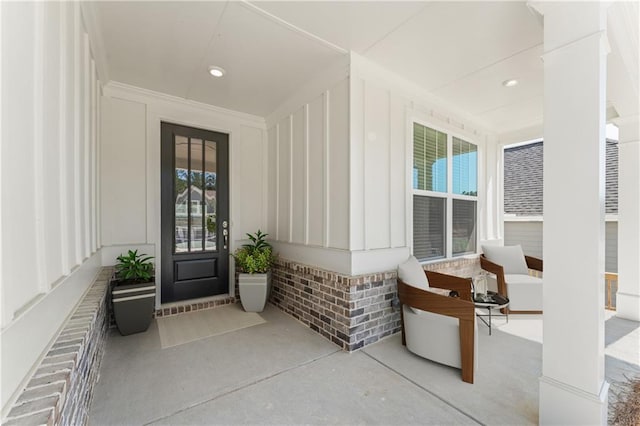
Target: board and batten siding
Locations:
point(49, 177)
point(308, 152)
point(378, 167)
point(529, 235)
point(339, 155)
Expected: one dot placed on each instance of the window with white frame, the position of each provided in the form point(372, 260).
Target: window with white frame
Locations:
point(445, 190)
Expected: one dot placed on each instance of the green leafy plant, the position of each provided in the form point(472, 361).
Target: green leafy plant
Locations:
point(255, 257)
point(134, 267)
point(211, 224)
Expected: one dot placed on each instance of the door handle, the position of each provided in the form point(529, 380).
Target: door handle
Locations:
point(225, 238)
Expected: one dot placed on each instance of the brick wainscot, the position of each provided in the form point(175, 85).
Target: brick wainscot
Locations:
point(350, 311)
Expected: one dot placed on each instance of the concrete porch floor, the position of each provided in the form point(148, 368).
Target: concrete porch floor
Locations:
point(281, 372)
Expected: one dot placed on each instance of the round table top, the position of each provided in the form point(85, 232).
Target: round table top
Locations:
point(491, 303)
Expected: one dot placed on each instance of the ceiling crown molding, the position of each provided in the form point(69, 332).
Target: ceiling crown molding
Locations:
point(138, 94)
point(92, 26)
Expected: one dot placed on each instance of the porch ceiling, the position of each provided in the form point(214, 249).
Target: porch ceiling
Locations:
point(460, 52)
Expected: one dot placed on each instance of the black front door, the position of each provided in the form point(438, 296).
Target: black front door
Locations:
point(195, 213)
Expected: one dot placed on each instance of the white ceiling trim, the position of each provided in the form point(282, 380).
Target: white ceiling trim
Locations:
point(126, 91)
point(285, 24)
point(92, 26)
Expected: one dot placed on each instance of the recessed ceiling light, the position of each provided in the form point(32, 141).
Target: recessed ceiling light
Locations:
point(216, 71)
point(510, 83)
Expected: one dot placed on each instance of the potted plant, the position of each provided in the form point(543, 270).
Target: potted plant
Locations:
point(133, 292)
point(254, 260)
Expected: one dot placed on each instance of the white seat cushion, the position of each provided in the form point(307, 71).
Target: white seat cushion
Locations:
point(522, 279)
point(511, 258)
point(524, 291)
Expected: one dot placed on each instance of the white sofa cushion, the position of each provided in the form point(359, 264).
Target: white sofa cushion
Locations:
point(511, 258)
point(411, 273)
point(522, 279)
point(525, 292)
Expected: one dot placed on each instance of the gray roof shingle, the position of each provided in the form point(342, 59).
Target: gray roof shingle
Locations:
point(523, 166)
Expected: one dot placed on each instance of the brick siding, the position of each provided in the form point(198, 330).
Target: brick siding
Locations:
point(61, 389)
point(350, 311)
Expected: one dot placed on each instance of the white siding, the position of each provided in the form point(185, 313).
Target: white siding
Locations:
point(284, 180)
point(299, 191)
point(250, 168)
point(529, 236)
point(337, 201)
point(311, 151)
point(315, 172)
point(272, 180)
point(47, 143)
point(611, 247)
point(377, 167)
point(123, 172)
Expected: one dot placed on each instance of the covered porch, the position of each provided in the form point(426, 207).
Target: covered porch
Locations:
point(354, 134)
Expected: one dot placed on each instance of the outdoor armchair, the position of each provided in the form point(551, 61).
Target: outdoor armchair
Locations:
point(510, 269)
point(435, 325)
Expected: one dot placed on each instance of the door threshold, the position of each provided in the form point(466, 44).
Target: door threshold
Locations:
point(190, 305)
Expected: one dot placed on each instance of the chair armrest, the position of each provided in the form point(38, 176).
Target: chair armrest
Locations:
point(489, 266)
point(496, 269)
point(450, 282)
point(534, 263)
point(432, 302)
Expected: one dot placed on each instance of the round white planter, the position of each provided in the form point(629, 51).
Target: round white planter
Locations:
point(254, 291)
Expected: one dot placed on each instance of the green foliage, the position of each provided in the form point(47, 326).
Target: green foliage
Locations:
point(258, 242)
point(256, 257)
point(134, 267)
point(211, 224)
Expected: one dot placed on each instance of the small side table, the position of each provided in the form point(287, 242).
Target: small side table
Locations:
point(492, 301)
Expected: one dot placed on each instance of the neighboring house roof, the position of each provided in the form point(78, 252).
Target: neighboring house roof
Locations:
point(523, 179)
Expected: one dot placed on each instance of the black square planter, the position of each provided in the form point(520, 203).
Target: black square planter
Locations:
point(133, 305)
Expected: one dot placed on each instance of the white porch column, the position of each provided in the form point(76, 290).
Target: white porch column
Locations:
point(572, 386)
point(628, 297)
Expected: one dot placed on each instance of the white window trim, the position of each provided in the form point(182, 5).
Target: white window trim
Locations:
point(448, 195)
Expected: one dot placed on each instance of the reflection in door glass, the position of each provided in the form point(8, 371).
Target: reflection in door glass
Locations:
point(210, 205)
point(196, 224)
point(181, 194)
point(195, 195)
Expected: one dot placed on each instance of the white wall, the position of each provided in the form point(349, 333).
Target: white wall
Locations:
point(130, 167)
point(339, 160)
point(383, 108)
point(48, 177)
point(123, 172)
point(308, 169)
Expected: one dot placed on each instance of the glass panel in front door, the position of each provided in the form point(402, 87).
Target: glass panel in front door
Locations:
point(210, 205)
point(195, 195)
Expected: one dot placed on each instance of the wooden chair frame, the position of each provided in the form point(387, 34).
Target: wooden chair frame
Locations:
point(461, 308)
point(532, 263)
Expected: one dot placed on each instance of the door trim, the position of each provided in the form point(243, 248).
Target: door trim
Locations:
point(166, 249)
